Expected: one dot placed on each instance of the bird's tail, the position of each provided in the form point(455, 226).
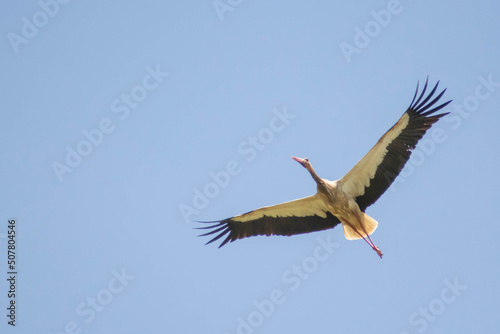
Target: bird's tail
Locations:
point(370, 225)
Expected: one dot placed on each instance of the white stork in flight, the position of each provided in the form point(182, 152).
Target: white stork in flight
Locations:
point(345, 200)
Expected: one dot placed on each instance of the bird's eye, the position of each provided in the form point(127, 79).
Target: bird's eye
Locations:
point(307, 160)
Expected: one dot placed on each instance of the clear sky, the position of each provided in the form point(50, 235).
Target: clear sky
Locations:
point(124, 122)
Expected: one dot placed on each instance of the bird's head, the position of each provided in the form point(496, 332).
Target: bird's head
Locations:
point(304, 162)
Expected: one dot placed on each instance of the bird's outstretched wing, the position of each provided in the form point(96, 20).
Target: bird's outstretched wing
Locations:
point(303, 215)
point(376, 171)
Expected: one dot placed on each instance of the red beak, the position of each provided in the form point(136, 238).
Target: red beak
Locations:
point(299, 160)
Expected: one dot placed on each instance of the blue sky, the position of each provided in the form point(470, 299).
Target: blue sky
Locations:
point(118, 115)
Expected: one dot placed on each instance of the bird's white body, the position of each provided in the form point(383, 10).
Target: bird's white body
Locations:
point(343, 206)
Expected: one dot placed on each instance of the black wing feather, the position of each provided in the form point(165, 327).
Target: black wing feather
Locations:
point(266, 225)
point(399, 150)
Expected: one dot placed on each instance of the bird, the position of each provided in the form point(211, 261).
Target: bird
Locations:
point(345, 200)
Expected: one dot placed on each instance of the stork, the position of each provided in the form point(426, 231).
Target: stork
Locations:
point(344, 200)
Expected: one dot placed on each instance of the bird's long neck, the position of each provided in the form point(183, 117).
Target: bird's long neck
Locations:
point(315, 176)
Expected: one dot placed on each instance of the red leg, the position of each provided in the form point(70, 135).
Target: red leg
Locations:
point(375, 248)
point(372, 245)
